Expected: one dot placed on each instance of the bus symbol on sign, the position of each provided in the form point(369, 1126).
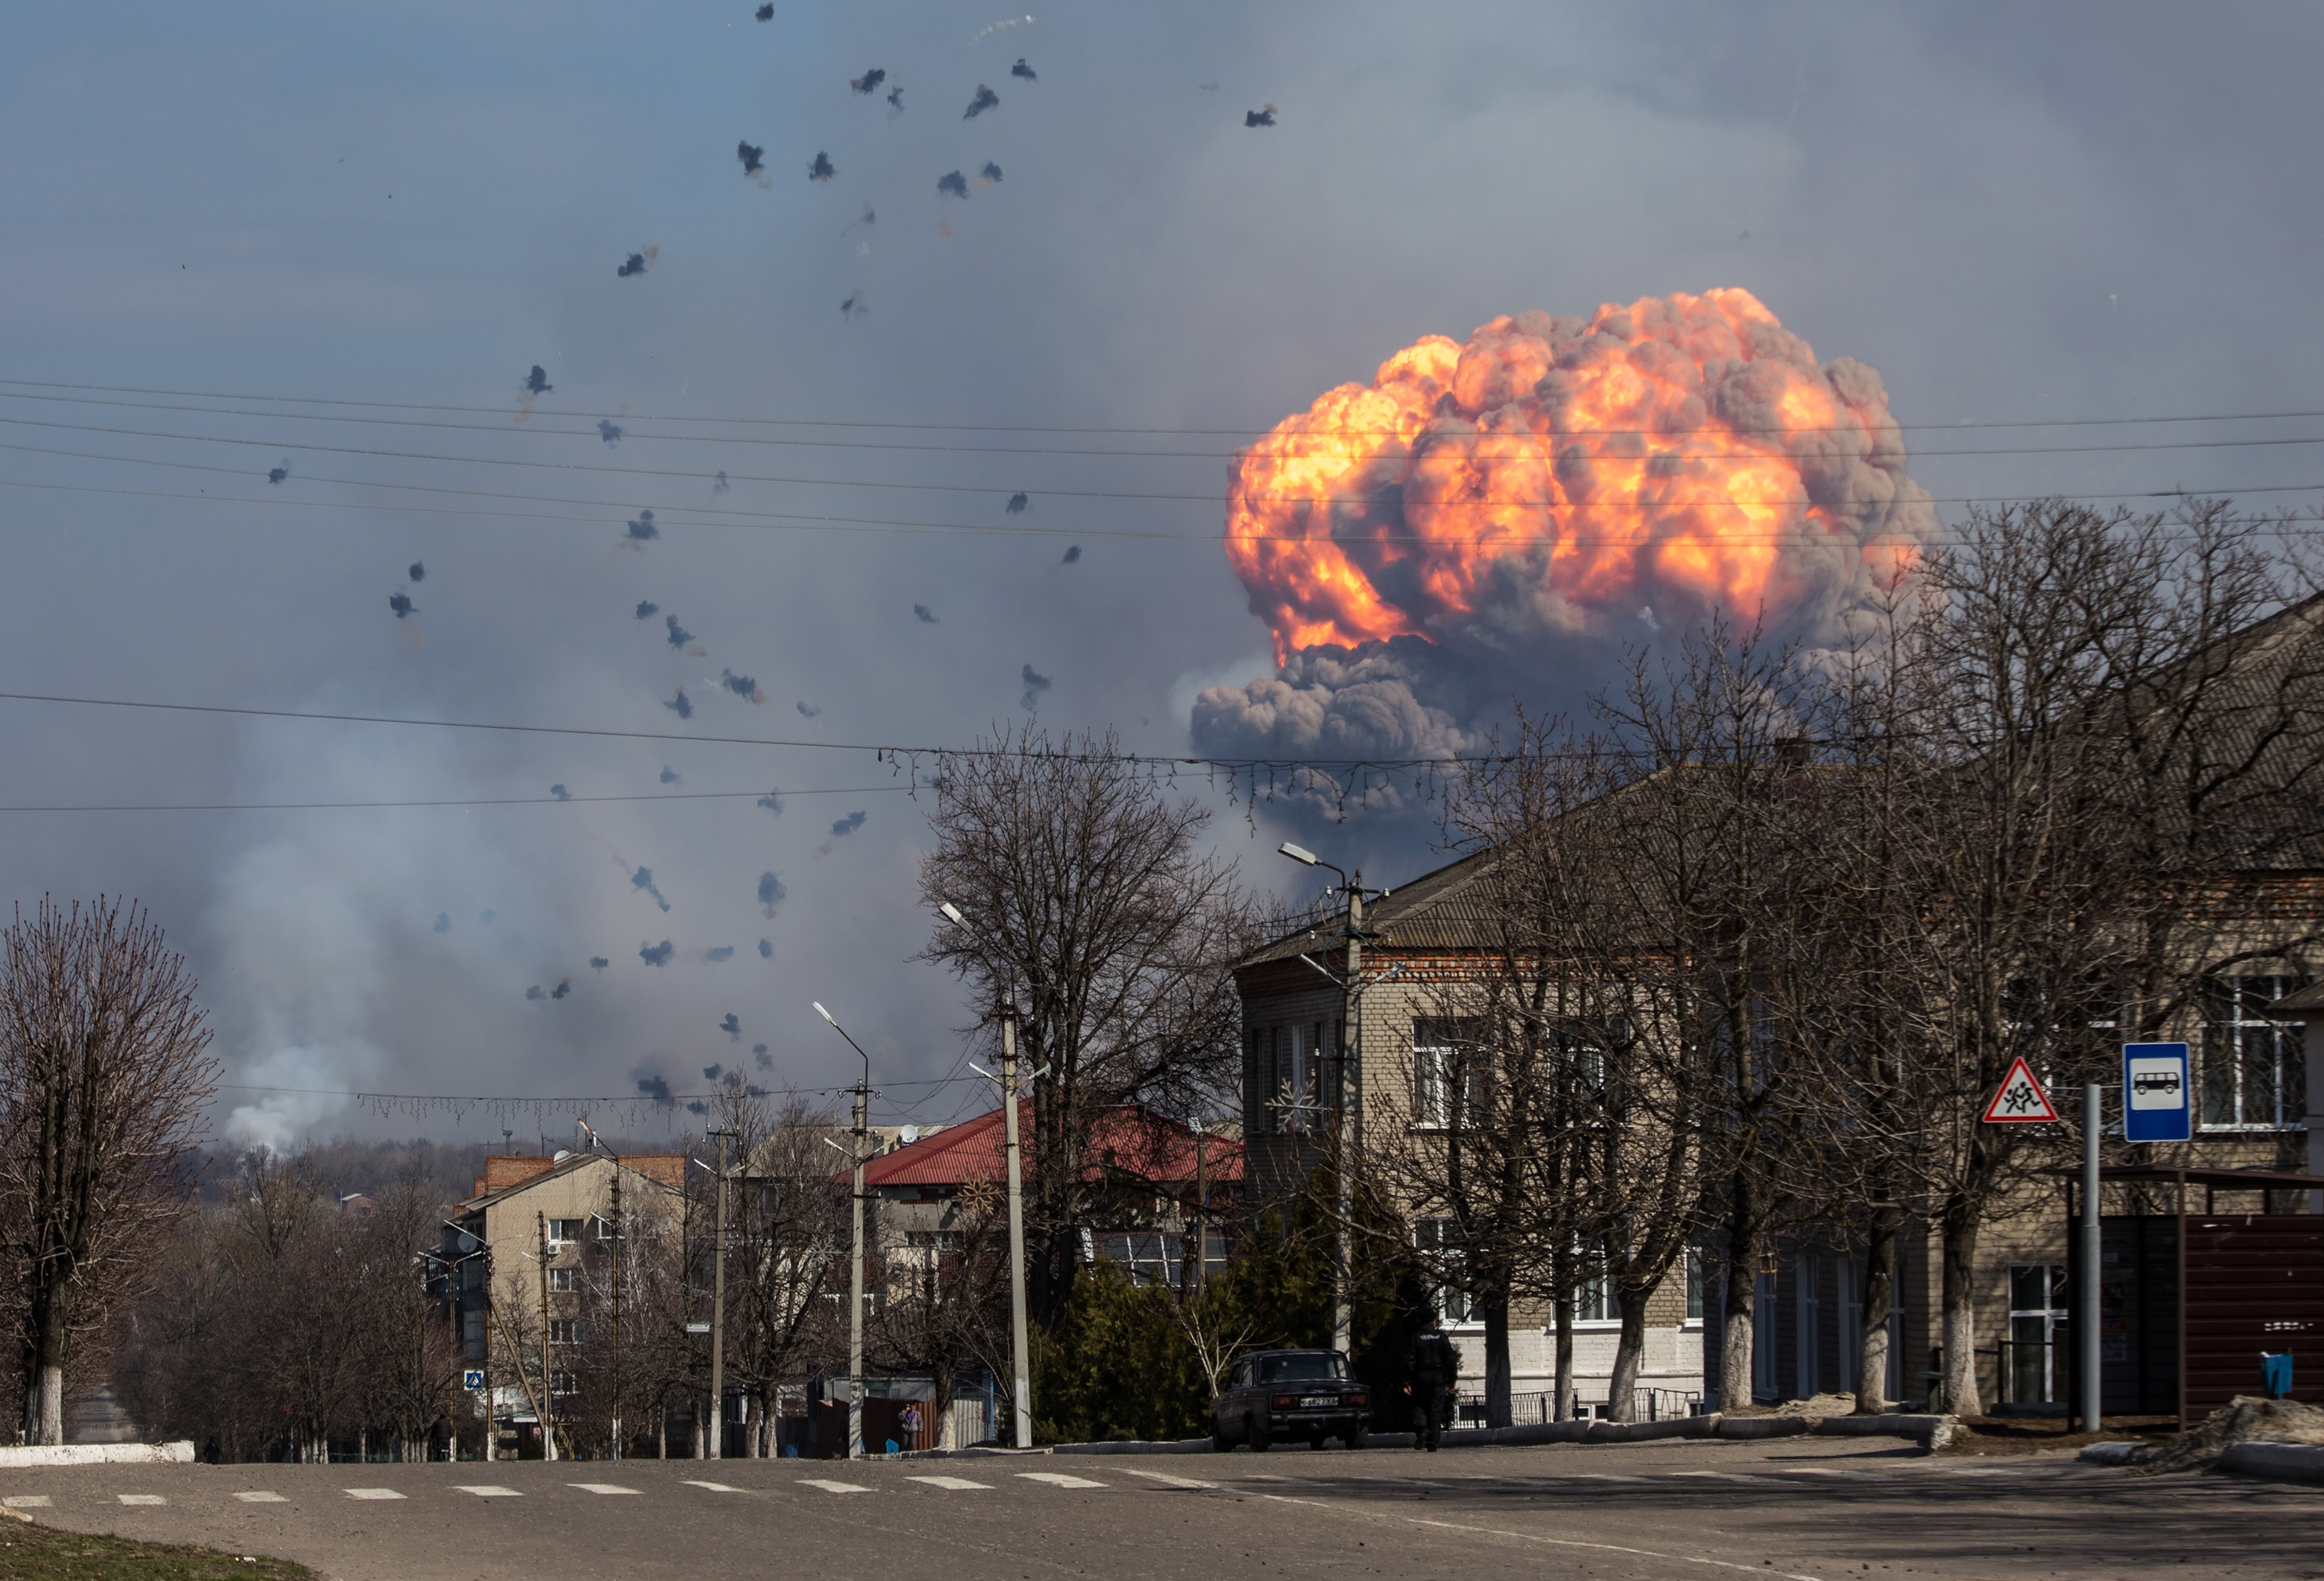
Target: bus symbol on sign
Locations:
point(2155, 1083)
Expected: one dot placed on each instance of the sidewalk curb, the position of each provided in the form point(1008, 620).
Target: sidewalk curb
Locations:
point(2282, 1462)
point(179, 1453)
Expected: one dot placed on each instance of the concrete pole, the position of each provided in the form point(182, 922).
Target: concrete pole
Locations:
point(2087, 1318)
point(1023, 1413)
point(855, 1282)
point(714, 1437)
point(546, 1407)
point(1343, 1238)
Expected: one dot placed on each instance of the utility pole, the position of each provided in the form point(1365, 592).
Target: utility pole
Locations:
point(1023, 1412)
point(2086, 1282)
point(1343, 1237)
point(855, 1275)
point(714, 1439)
point(619, 1245)
point(546, 1407)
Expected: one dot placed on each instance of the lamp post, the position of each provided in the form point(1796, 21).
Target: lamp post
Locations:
point(713, 1441)
point(1021, 1407)
point(856, 1259)
point(1351, 1078)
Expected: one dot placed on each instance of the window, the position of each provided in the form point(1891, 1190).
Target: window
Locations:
point(1303, 1367)
point(607, 1227)
point(1445, 1060)
point(561, 1279)
point(2038, 1362)
point(563, 1331)
point(1694, 1286)
point(562, 1383)
point(1596, 1301)
point(2252, 1069)
point(564, 1231)
point(1437, 1242)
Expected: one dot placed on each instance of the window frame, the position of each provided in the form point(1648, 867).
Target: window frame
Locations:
point(2232, 1035)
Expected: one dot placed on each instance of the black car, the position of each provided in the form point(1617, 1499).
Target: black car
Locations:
point(1290, 1394)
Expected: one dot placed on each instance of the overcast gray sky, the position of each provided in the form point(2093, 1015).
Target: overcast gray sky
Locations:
point(2062, 212)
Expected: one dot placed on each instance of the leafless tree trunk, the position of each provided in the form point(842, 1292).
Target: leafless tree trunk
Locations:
point(104, 1070)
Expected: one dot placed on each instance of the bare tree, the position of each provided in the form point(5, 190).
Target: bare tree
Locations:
point(103, 1071)
point(1088, 904)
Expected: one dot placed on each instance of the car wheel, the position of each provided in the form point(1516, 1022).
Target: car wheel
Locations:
point(1356, 1436)
point(1220, 1443)
point(1317, 1442)
point(1254, 1435)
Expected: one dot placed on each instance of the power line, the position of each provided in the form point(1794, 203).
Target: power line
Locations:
point(1057, 429)
point(470, 801)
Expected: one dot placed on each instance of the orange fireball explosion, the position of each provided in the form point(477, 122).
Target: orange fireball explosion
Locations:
point(1686, 451)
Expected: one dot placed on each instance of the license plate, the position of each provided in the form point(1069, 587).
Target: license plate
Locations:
point(1323, 1400)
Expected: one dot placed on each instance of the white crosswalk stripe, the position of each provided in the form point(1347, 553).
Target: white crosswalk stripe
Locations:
point(252, 1498)
point(26, 1502)
point(488, 1491)
point(713, 1487)
point(832, 1487)
point(142, 1499)
point(1175, 1482)
point(952, 1483)
point(601, 1487)
point(1058, 1479)
point(372, 1494)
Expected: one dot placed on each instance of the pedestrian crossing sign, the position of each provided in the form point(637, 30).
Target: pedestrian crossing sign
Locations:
point(473, 1379)
point(2021, 1100)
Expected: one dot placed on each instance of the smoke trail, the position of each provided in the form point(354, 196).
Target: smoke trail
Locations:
point(1035, 685)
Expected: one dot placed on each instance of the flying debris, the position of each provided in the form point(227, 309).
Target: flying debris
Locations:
point(680, 706)
point(277, 473)
point(1019, 503)
point(1265, 117)
point(869, 83)
point(719, 952)
point(679, 635)
point(535, 991)
point(443, 922)
point(560, 793)
point(657, 954)
point(648, 610)
point(536, 382)
point(766, 949)
point(732, 1027)
point(854, 306)
point(401, 603)
point(418, 571)
point(1023, 70)
point(1072, 553)
point(766, 13)
point(985, 99)
point(848, 825)
point(923, 615)
point(895, 101)
point(636, 263)
point(1036, 684)
point(759, 1052)
point(643, 529)
point(598, 963)
point(808, 710)
point(990, 176)
point(712, 1072)
point(770, 896)
point(720, 486)
point(741, 685)
point(564, 987)
point(955, 185)
point(643, 879)
point(656, 1087)
point(671, 776)
point(822, 169)
point(754, 157)
point(608, 431)
point(772, 802)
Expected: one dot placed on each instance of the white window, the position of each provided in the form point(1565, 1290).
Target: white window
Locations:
point(2254, 1074)
point(1297, 1096)
point(1437, 1240)
point(2038, 1366)
point(562, 1382)
point(564, 1231)
point(1693, 1285)
point(560, 1279)
point(562, 1331)
point(1446, 1061)
point(1598, 1301)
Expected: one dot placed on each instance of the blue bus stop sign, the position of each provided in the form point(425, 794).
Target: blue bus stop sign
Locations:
point(2157, 1099)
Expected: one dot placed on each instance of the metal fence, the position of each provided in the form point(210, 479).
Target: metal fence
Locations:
point(1531, 1409)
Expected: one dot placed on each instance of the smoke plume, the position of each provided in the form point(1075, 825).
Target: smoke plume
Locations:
point(985, 99)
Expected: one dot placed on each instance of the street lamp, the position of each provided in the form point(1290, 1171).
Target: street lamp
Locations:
point(1351, 1019)
point(1021, 1413)
point(855, 1262)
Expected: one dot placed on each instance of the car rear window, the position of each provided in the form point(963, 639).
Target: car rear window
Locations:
point(1308, 1365)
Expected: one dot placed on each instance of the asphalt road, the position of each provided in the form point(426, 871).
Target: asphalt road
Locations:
point(1638, 1512)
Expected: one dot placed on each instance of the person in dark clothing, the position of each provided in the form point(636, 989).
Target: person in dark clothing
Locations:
point(1434, 1364)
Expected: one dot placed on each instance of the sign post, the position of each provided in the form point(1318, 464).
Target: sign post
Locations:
point(2156, 1103)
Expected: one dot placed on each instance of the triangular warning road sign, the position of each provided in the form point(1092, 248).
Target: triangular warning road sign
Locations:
point(2021, 1099)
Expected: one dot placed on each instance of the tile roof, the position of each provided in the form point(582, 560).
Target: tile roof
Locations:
point(1131, 1141)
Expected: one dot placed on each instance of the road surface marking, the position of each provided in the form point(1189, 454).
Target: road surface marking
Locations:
point(954, 1483)
point(142, 1499)
point(25, 1502)
point(601, 1487)
point(832, 1487)
point(372, 1494)
point(488, 1491)
point(1058, 1479)
point(1829, 1471)
point(1716, 1476)
point(1175, 1482)
point(251, 1499)
point(1607, 1476)
point(714, 1487)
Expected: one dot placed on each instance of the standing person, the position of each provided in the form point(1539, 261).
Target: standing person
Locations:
point(911, 1424)
point(1434, 1364)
